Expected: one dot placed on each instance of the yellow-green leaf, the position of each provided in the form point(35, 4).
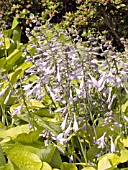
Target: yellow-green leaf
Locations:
point(46, 166)
point(88, 168)
point(7, 43)
point(104, 163)
point(124, 141)
point(124, 156)
point(14, 23)
point(36, 103)
point(14, 132)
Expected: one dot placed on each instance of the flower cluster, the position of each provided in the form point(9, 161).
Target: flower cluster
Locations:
point(76, 81)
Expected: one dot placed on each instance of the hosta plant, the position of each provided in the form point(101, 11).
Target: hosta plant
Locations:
point(61, 106)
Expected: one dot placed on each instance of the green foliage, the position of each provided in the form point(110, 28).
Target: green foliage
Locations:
point(58, 101)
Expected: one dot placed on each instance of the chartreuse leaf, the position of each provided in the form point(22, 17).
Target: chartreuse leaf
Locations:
point(124, 155)
point(15, 76)
point(104, 163)
point(68, 166)
point(124, 141)
point(2, 62)
point(29, 138)
point(125, 106)
point(7, 43)
point(14, 23)
point(12, 58)
point(46, 166)
point(88, 168)
point(2, 158)
point(14, 132)
point(51, 155)
point(24, 66)
point(36, 103)
point(23, 158)
point(8, 167)
point(108, 161)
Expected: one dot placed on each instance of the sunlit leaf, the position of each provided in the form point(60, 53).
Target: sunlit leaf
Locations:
point(36, 103)
point(22, 158)
point(46, 166)
point(14, 132)
point(7, 43)
point(104, 163)
point(14, 23)
point(2, 158)
point(88, 168)
point(124, 156)
point(29, 138)
point(125, 142)
point(68, 166)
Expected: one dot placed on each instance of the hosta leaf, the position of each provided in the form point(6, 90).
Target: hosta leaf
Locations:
point(36, 103)
point(51, 155)
point(8, 167)
point(68, 166)
point(15, 76)
point(104, 163)
point(22, 158)
point(46, 166)
point(24, 66)
point(114, 159)
point(125, 142)
point(7, 43)
point(51, 126)
point(12, 58)
point(2, 158)
point(43, 113)
point(29, 138)
point(88, 168)
point(2, 62)
point(108, 161)
point(124, 156)
point(16, 34)
point(125, 106)
point(14, 23)
point(92, 152)
point(14, 132)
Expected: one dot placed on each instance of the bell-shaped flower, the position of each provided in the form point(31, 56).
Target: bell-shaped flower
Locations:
point(63, 125)
point(101, 141)
point(113, 149)
point(75, 124)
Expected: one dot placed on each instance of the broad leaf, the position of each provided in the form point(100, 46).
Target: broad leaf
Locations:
point(51, 155)
point(68, 166)
point(104, 163)
point(2, 158)
point(14, 132)
point(29, 138)
point(88, 168)
point(51, 126)
point(125, 142)
point(12, 58)
point(14, 23)
point(22, 158)
point(43, 113)
point(46, 166)
point(124, 156)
